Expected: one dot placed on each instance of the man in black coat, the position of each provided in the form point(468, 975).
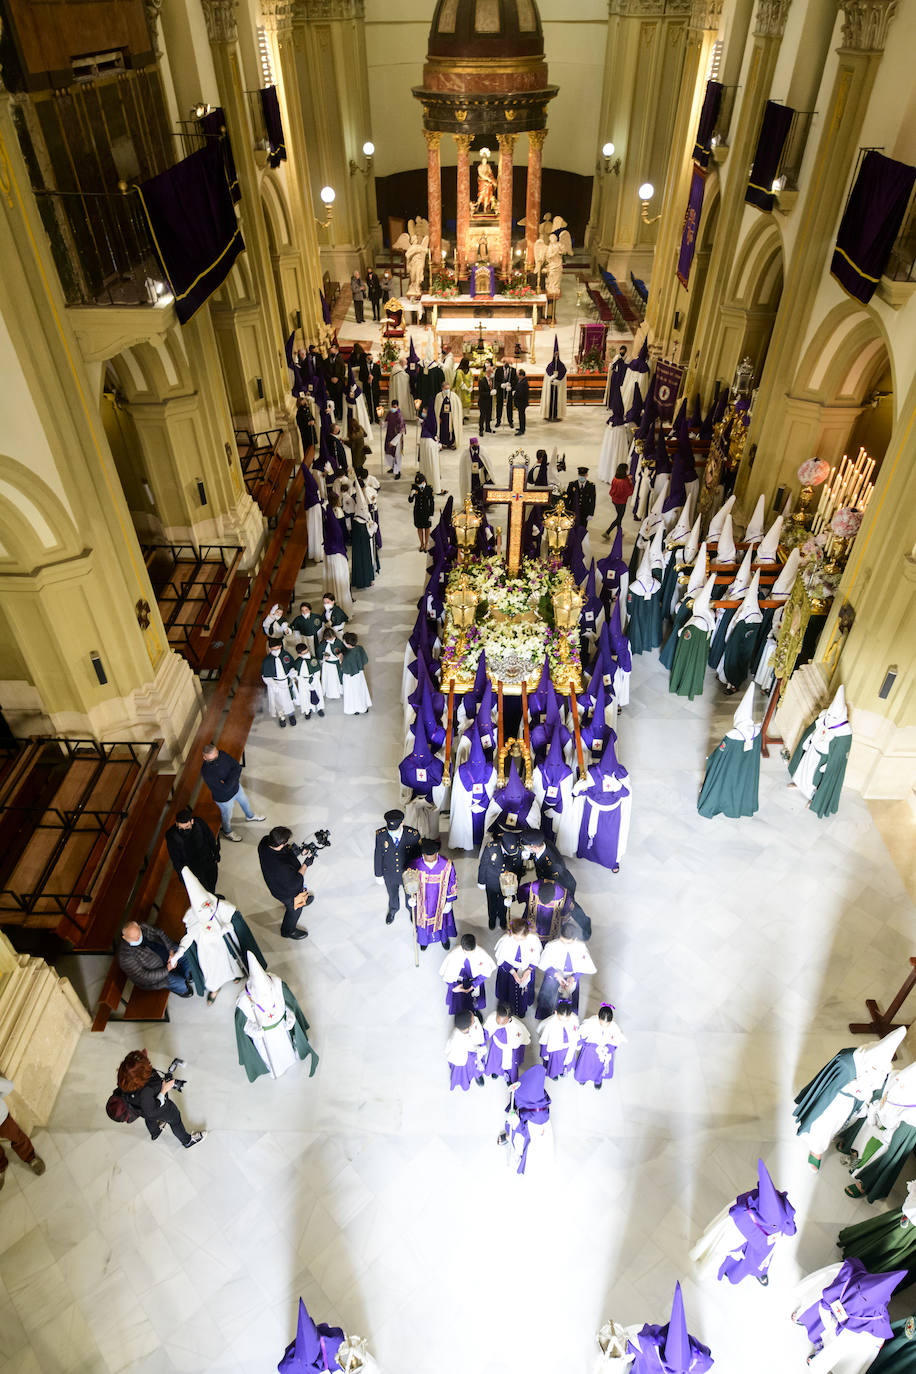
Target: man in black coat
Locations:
point(505, 380)
point(396, 847)
point(547, 861)
point(283, 874)
point(151, 960)
point(335, 376)
point(521, 399)
point(580, 498)
point(192, 844)
point(374, 288)
point(305, 424)
point(499, 855)
point(485, 399)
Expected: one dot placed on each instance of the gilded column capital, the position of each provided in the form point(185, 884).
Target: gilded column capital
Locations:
point(865, 24)
point(330, 9)
point(770, 20)
point(433, 139)
point(222, 24)
point(705, 14)
point(152, 10)
point(536, 138)
point(506, 143)
point(463, 142)
point(277, 15)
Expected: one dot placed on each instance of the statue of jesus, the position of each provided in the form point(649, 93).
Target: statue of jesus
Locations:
point(486, 186)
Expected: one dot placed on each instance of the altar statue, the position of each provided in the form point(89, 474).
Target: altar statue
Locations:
point(558, 245)
point(486, 202)
point(415, 257)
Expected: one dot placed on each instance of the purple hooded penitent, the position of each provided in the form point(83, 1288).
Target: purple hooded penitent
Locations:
point(641, 362)
point(540, 734)
point(612, 568)
point(759, 1215)
point(615, 402)
point(573, 556)
point(315, 1347)
point(334, 541)
point(428, 429)
point(591, 603)
point(426, 712)
point(296, 380)
point(514, 801)
point(864, 1298)
point(532, 1103)
point(426, 684)
point(483, 717)
point(619, 641)
point(696, 415)
point(471, 698)
point(476, 767)
point(597, 733)
point(670, 1349)
point(537, 697)
point(634, 414)
point(310, 487)
point(555, 368)
point(554, 772)
point(419, 761)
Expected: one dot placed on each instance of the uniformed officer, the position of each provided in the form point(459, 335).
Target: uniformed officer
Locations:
point(547, 860)
point(396, 846)
point(500, 854)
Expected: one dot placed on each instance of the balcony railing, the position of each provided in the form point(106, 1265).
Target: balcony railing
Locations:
point(901, 265)
point(101, 248)
point(794, 148)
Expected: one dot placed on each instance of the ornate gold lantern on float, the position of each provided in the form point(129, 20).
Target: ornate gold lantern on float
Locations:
point(567, 608)
point(462, 607)
point(557, 524)
point(466, 524)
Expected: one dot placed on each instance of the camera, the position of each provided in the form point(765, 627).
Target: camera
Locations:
point(310, 848)
point(178, 1083)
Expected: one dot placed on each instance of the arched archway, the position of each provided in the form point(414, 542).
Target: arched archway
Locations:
point(756, 290)
point(35, 528)
point(284, 256)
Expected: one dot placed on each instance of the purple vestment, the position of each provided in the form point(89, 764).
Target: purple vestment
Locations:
point(759, 1215)
point(862, 1296)
point(467, 993)
point(438, 890)
point(532, 1102)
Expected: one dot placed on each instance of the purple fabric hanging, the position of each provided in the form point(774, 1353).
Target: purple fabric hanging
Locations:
point(691, 224)
point(192, 222)
point(214, 126)
point(871, 223)
point(270, 108)
point(777, 121)
point(712, 103)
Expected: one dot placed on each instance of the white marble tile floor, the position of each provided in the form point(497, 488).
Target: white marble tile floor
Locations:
point(736, 952)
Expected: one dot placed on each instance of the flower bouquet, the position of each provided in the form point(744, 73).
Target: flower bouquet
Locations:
point(846, 523)
point(813, 472)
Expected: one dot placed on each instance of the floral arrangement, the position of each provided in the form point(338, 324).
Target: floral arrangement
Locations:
point(388, 355)
point(812, 550)
point(813, 472)
point(517, 287)
point(443, 284)
point(846, 522)
point(593, 361)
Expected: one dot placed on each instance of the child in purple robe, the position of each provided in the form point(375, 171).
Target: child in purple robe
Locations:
point(744, 1235)
point(464, 1052)
point(466, 970)
point(559, 1036)
point(844, 1310)
point(563, 963)
point(436, 897)
point(669, 1349)
point(599, 1037)
point(517, 955)
point(506, 1038)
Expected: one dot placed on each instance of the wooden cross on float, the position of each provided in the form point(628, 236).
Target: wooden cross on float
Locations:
point(518, 495)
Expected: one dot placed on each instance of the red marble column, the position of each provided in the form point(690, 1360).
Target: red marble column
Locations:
point(504, 193)
point(463, 142)
point(433, 197)
point(533, 193)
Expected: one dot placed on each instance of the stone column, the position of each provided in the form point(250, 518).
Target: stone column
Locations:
point(433, 195)
point(533, 193)
point(263, 315)
point(865, 27)
point(463, 143)
point(504, 193)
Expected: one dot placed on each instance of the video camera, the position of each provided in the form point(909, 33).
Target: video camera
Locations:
point(177, 1083)
point(310, 848)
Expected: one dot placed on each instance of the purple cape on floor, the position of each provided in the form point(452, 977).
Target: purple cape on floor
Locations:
point(310, 487)
point(315, 1347)
point(670, 1349)
point(864, 1297)
point(333, 534)
point(421, 759)
point(759, 1214)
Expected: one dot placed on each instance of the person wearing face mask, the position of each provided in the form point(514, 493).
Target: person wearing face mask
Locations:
point(151, 960)
point(580, 497)
point(278, 673)
point(396, 847)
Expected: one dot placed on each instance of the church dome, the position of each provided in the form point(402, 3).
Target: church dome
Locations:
point(475, 29)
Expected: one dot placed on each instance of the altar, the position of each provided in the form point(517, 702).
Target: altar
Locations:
point(463, 318)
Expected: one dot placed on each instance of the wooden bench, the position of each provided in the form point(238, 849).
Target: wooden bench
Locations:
point(194, 588)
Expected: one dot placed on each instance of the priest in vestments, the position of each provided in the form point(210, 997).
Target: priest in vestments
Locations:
point(553, 392)
point(741, 1240)
point(818, 766)
point(436, 898)
point(217, 940)
point(399, 387)
point(270, 1027)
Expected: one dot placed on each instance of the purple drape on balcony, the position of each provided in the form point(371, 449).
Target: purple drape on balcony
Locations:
point(270, 106)
point(777, 120)
point(712, 102)
point(193, 226)
point(214, 126)
point(871, 223)
point(691, 224)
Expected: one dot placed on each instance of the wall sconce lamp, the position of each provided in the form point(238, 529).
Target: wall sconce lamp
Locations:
point(201, 109)
point(607, 152)
point(645, 193)
point(368, 154)
point(328, 196)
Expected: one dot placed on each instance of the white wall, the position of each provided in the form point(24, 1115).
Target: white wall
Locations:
point(574, 41)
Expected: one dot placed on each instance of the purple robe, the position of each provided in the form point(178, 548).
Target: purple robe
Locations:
point(555, 1061)
point(493, 1064)
point(517, 998)
point(532, 1102)
point(755, 1257)
point(864, 1297)
point(547, 917)
point(589, 1066)
point(459, 999)
point(446, 426)
point(394, 425)
point(438, 890)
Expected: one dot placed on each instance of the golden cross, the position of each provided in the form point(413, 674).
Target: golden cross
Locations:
point(517, 496)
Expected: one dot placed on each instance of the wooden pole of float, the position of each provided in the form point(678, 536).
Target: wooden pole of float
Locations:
point(499, 727)
point(574, 708)
point(447, 771)
point(525, 717)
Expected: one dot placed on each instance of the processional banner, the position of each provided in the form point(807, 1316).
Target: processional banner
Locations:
point(691, 224)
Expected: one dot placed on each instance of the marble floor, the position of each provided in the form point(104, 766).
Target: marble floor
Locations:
point(735, 952)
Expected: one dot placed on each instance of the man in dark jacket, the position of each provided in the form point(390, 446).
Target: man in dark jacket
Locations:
point(151, 960)
point(396, 847)
point(374, 288)
point(505, 380)
point(283, 874)
point(547, 860)
point(192, 844)
point(521, 400)
point(580, 498)
point(335, 378)
point(221, 772)
point(485, 399)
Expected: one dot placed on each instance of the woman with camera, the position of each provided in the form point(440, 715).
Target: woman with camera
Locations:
point(146, 1091)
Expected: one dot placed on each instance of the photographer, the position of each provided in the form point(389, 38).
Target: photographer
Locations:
point(142, 1087)
point(283, 873)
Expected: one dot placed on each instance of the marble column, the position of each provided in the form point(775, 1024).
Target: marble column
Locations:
point(504, 192)
point(463, 143)
point(533, 193)
point(433, 195)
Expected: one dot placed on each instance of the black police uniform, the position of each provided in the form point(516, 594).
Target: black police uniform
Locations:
point(391, 858)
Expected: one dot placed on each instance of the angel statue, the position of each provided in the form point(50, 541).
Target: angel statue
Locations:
point(486, 202)
point(559, 244)
point(414, 244)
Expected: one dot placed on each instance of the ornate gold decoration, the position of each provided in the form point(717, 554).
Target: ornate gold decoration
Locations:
point(865, 24)
point(796, 614)
point(433, 139)
point(517, 496)
point(142, 610)
point(770, 21)
point(461, 116)
point(222, 24)
point(518, 749)
point(557, 524)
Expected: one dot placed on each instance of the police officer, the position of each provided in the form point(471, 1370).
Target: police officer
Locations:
point(547, 860)
point(396, 846)
point(502, 853)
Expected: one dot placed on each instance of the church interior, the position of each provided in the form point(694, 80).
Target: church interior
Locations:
point(700, 212)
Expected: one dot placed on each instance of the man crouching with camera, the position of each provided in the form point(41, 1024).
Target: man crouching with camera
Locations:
point(283, 866)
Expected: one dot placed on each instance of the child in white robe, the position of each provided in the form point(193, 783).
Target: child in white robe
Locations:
point(599, 1037)
point(308, 678)
point(331, 676)
point(356, 698)
point(559, 1041)
point(464, 1052)
point(506, 1038)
